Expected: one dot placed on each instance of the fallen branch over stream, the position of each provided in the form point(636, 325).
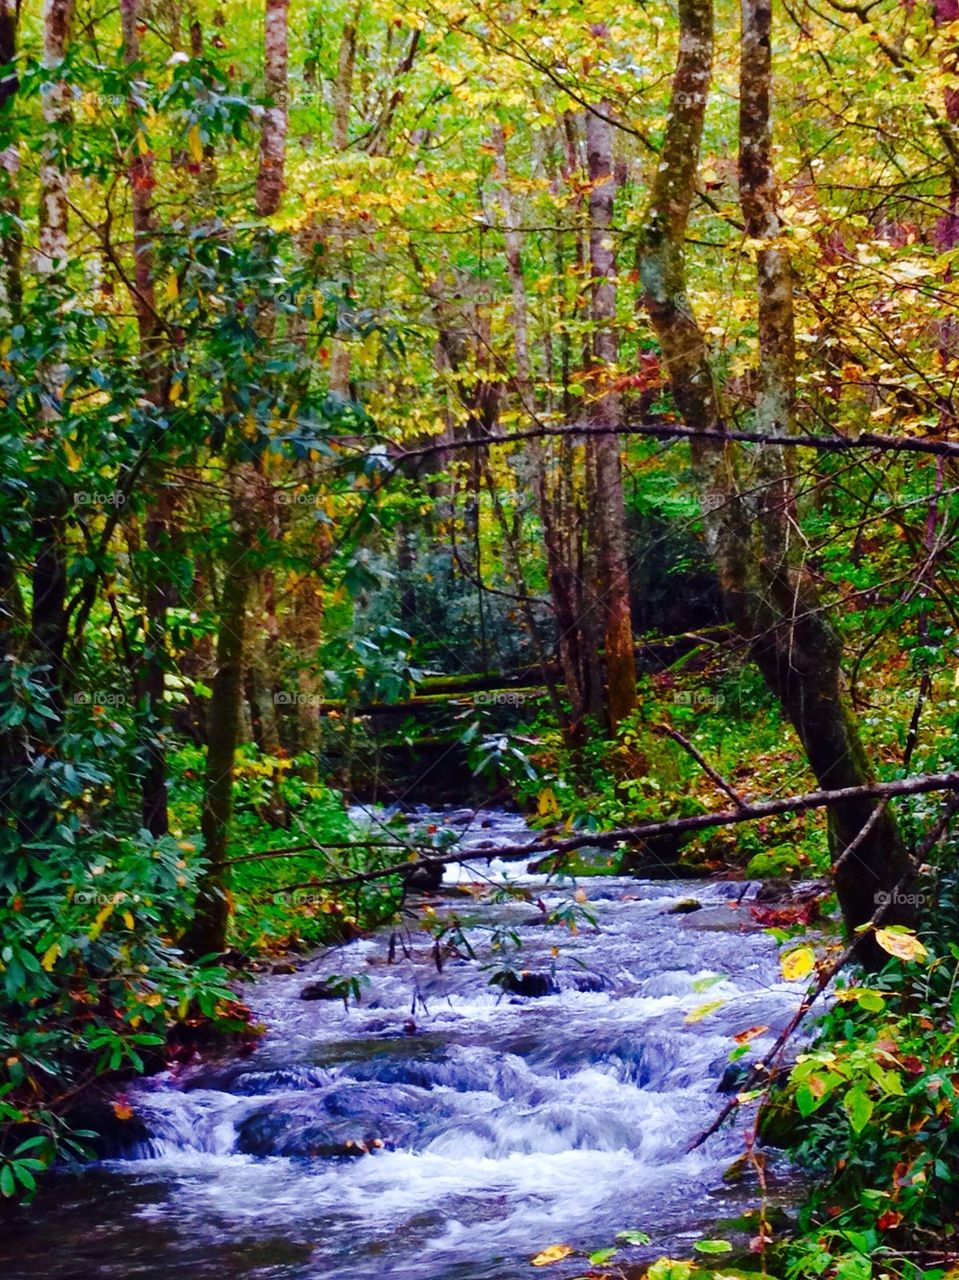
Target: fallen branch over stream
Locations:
point(922, 784)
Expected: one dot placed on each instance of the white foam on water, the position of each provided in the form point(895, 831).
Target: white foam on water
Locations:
point(516, 1122)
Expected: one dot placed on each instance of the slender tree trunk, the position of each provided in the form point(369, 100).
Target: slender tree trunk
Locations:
point(261, 665)
point(261, 641)
point(54, 177)
point(208, 930)
point(767, 589)
point(11, 246)
point(48, 622)
point(524, 393)
point(578, 481)
point(160, 516)
point(606, 411)
point(342, 105)
point(269, 180)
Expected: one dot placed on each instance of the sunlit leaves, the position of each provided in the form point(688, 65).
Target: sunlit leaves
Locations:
point(901, 943)
point(703, 1011)
point(554, 1253)
point(798, 963)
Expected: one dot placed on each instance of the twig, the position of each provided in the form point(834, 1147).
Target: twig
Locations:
point(704, 764)
point(665, 430)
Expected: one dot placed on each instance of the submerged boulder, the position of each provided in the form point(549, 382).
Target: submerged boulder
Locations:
point(427, 877)
point(589, 982)
point(533, 985)
point(683, 907)
point(325, 989)
point(351, 1118)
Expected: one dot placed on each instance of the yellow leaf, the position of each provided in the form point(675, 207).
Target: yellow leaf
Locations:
point(702, 1010)
point(50, 956)
point(128, 919)
point(103, 916)
point(172, 290)
point(555, 1253)
point(122, 1111)
point(798, 963)
point(547, 802)
point(195, 143)
point(143, 145)
point(904, 946)
point(73, 458)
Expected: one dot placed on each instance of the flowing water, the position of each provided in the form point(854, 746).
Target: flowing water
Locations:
point(494, 1123)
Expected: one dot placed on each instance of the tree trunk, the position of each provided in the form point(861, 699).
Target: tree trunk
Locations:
point(48, 622)
point(768, 591)
point(606, 411)
point(269, 180)
point(523, 388)
point(54, 178)
point(207, 932)
point(250, 492)
point(342, 104)
point(261, 664)
point(159, 591)
point(11, 248)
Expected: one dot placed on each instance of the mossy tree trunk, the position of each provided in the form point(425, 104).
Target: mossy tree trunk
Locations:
point(208, 930)
point(748, 513)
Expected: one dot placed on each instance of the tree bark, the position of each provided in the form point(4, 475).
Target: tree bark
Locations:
point(54, 178)
point(768, 591)
point(606, 410)
point(208, 929)
point(342, 105)
point(269, 180)
point(524, 392)
point(11, 247)
point(159, 519)
point(48, 620)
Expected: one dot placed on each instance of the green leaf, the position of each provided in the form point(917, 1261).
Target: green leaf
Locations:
point(713, 1246)
point(670, 1269)
point(602, 1255)
point(859, 1107)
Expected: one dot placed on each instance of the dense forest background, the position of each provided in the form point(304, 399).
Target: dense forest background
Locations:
point(443, 401)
